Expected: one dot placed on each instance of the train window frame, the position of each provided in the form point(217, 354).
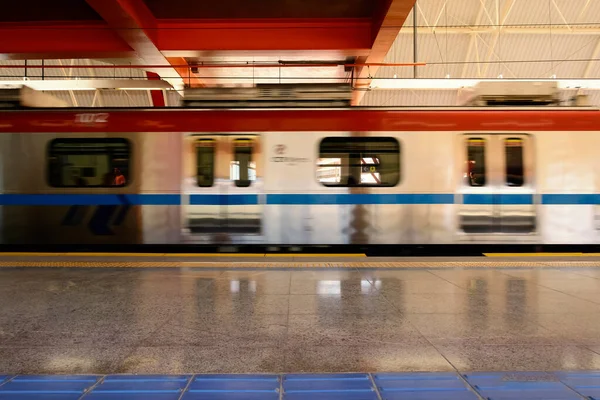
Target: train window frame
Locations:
point(213, 158)
point(236, 145)
point(485, 171)
point(522, 145)
point(347, 140)
point(66, 140)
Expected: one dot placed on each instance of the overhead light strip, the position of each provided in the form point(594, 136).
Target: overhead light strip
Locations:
point(455, 84)
point(89, 84)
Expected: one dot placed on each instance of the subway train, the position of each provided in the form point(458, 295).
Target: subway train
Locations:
point(300, 176)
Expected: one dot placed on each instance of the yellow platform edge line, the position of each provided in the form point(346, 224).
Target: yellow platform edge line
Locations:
point(537, 254)
point(41, 254)
point(315, 255)
point(268, 265)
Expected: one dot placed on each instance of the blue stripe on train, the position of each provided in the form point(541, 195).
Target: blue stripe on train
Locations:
point(401, 198)
point(223, 199)
point(570, 198)
point(500, 199)
point(291, 199)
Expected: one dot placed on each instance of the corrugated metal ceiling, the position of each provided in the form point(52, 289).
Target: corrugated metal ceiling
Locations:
point(489, 38)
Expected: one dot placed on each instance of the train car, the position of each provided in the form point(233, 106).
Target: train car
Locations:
point(300, 176)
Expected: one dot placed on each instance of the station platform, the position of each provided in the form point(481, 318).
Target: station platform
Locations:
point(92, 320)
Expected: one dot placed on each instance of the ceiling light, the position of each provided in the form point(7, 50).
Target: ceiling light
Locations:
point(89, 84)
point(455, 84)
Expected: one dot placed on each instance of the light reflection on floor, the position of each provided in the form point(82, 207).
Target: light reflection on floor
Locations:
point(181, 321)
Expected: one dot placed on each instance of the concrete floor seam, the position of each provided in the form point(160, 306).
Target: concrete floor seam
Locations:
point(421, 333)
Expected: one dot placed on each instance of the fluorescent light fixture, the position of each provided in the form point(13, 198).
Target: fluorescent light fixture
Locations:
point(89, 84)
point(455, 84)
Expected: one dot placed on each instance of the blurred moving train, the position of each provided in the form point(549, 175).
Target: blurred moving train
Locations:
point(300, 176)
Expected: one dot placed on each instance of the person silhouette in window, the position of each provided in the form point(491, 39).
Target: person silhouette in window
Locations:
point(119, 178)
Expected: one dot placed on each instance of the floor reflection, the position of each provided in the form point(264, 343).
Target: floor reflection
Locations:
point(299, 320)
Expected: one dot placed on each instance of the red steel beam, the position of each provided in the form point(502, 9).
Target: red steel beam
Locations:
point(61, 40)
point(219, 66)
point(133, 30)
point(387, 25)
point(157, 96)
point(264, 35)
point(135, 24)
point(184, 70)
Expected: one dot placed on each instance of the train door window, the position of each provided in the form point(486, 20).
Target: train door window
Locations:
point(205, 162)
point(242, 170)
point(513, 148)
point(359, 161)
point(97, 162)
point(476, 173)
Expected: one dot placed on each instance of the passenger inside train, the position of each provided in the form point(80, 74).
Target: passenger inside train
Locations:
point(119, 178)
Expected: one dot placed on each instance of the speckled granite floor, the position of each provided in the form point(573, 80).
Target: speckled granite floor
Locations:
point(173, 321)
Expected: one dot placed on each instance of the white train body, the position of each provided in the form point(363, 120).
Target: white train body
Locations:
point(549, 194)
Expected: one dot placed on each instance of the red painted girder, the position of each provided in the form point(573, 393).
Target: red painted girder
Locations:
point(218, 66)
point(73, 40)
point(190, 79)
point(138, 31)
point(411, 120)
point(157, 96)
point(388, 22)
point(265, 35)
point(135, 24)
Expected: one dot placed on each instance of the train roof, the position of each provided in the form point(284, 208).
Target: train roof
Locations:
point(471, 119)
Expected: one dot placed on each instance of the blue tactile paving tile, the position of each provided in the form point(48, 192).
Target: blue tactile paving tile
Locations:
point(39, 396)
point(328, 386)
point(587, 383)
point(47, 387)
point(423, 386)
point(138, 387)
point(520, 386)
point(233, 387)
point(384, 386)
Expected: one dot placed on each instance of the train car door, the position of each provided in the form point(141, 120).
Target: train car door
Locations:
point(223, 201)
point(476, 188)
point(516, 187)
point(497, 186)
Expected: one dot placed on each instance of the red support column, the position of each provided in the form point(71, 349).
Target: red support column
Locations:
point(158, 96)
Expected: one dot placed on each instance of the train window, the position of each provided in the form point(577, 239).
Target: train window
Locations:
point(98, 162)
point(513, 148)
point(242, 170)
point(205, 162)
point(359, 161)
point(476, 174)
